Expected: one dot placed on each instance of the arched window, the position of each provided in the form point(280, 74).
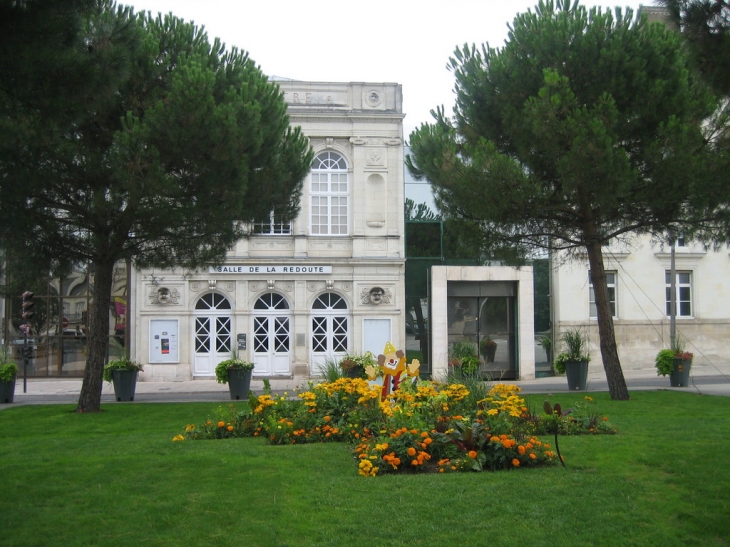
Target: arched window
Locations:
point(213, 301)
point(329, 195)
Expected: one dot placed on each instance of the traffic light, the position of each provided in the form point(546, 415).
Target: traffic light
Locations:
point(26, 307)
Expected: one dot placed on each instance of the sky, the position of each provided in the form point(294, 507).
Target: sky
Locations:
point(404, 41)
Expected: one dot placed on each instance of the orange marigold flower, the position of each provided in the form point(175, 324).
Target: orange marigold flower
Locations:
point(326, 418)
point(473, 454)
point(221, 424)
point(521, 449)
point(532, 455)
point(414, 462)
point(424, 434)
point(605, 419)
point(230, 428)
point(516, 462)
point(427, 441)
point(411, 451)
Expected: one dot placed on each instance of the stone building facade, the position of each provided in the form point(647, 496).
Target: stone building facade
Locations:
point(292, 295)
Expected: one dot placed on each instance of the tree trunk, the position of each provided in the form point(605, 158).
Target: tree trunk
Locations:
point(607, 336)
point(423, 335)
point(98, 337)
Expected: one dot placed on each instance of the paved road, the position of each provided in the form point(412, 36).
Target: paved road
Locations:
point(706, 380)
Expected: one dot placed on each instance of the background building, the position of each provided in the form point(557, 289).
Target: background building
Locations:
point(639, 285)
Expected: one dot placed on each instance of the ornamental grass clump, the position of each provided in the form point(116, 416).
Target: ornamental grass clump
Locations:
point(423, 427)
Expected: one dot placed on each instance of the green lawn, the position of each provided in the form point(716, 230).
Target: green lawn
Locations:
point(116, 478)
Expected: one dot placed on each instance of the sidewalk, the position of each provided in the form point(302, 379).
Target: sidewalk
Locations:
point(706, 380)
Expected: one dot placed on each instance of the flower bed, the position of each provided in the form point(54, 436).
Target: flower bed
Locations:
point(427, 427)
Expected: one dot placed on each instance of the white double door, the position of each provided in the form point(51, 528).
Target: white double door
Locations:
point(271, 336)
point(212, 343)
point(213, 333)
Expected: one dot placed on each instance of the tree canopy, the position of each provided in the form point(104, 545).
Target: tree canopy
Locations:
point(158, 148)
point(584, 127)
point(705, 25)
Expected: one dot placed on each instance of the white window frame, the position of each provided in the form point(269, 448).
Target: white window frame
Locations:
point(272, 227)
point(684, 297)
point(329, 187)
point(612, 295)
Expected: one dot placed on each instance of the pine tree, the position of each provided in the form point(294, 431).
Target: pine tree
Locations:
point(163, 146)
point(583, 128)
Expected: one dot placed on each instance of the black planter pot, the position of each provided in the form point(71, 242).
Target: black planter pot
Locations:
point(679, 376)
point(125, 382)
point(355, 372)
point(239, 383)
point(577, 374)
point(7, 391)
point(489, 353)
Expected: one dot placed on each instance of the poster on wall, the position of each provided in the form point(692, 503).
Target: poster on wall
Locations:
point(164, 341)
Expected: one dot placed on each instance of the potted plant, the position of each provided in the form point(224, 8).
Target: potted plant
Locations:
point(123, 373)
point(573, 362)
point(464, 360)
point(547, 344)
point(353, 366)
point(676, 363)
point(488, 349)
point(8, 374)
point(237, 374)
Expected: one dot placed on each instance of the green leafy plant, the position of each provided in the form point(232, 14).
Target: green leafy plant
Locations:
point(547, 343)
point(463, 358)
point(575, 343)
point(664, 361)
point(234, 363)
point(8, 368)
point(356, 362)
point(487, 343)
point(123, 363)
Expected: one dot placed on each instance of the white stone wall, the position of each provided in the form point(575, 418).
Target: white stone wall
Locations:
point(363, 123)
point(641, 325)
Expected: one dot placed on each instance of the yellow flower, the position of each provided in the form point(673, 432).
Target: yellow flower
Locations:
point(178, 438)
point(587, 398)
